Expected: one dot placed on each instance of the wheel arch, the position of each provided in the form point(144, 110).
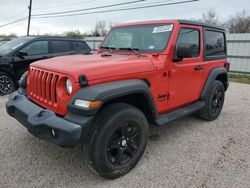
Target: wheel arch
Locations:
point(139, 100)
point(224, 79)
point(134, 92)
point(216, 74)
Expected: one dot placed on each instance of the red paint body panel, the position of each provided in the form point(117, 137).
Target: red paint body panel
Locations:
point(179, 81)
point(50, 94)
point(185, 83)
point(95, 66)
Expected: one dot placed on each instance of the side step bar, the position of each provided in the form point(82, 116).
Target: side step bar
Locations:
point(176, 114)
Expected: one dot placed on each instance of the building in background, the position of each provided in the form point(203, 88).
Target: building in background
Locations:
point(238, 47)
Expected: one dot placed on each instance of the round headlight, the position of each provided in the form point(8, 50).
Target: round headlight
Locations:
point(69, 86)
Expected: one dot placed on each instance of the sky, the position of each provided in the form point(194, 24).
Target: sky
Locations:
point(11, 10)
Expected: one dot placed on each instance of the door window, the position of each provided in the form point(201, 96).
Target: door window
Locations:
point(190, 36)
point(36, 48)
point(60, 46)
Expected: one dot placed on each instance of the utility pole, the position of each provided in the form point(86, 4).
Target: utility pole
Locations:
point(29, 7)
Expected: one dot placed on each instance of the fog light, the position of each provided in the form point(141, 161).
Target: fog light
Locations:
point(53, 132)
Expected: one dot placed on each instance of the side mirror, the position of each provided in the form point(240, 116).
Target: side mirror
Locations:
point(183, 50)
point(21, 54)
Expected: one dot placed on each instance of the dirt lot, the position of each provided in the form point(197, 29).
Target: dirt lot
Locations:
point(187, 153)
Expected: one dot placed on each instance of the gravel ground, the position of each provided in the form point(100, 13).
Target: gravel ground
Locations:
point(186, 153)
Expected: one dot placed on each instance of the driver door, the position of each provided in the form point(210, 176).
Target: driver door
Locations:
point(185, 76)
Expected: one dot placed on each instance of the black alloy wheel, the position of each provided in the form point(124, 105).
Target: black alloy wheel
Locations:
point(123, 144)
point(214, 102)
point(7, 84)
point(117, 140)
point(218, 100)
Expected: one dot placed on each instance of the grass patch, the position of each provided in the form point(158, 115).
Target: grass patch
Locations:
point(239, 78)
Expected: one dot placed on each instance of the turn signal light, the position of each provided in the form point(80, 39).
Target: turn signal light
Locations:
point(88, 104)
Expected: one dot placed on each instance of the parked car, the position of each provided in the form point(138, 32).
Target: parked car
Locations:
point(18, 54)
point(2, 42)
point(147, 72)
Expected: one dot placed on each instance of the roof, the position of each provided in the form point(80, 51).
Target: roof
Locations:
point(187, 22)
point(52, 37)
point(190, 22)
point(147, 22)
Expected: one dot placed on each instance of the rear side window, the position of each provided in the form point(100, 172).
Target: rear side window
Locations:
point(81, 46)
point(60, 46)
point(192, 37)
point(215, 44)
point(36, 48)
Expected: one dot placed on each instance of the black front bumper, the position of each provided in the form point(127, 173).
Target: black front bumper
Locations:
point(45, 124)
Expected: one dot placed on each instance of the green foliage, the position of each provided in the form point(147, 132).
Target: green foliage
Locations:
point(240, 78)
point(8, 37)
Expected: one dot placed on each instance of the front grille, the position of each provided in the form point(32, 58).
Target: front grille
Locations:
point(42, 86)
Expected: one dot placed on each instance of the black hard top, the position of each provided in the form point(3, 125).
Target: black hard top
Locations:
point(190, 22)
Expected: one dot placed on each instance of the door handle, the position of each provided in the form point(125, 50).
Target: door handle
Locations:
point(198, 68)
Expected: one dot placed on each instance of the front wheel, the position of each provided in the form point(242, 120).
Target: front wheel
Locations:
point(117, 140)
point(7, 84)
point(214, 102)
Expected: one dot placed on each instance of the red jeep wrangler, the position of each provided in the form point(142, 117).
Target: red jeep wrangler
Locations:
point(147, 72)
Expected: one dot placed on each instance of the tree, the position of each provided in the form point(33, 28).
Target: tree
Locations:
point(240, 23)
point(210, 17)
point(100, 29)
point(8, 37)
point(74, 34)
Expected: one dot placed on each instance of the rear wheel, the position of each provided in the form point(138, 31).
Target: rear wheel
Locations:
point(214, 102)
point(117, 140)
point(7, 84)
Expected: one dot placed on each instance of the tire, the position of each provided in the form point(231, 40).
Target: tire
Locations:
point(7, 84)
point(214, 102)
point(105, 143)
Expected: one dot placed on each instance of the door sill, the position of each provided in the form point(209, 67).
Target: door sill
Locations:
point(181, 112)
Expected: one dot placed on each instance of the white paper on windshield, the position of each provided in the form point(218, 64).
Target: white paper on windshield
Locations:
point(163, 28)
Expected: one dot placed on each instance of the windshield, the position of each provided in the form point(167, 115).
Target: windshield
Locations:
point(12, 45)
point(148, 38)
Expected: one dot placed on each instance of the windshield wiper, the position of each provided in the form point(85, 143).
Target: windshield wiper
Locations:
point(135, 50)
point(109, 48)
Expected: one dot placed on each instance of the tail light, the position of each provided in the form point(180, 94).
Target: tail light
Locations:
point(227, 66)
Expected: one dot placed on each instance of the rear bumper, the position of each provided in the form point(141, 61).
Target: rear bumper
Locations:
point(45, 124)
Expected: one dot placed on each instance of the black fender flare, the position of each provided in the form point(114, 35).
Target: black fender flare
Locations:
point(210, 80)
point(109, 91)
